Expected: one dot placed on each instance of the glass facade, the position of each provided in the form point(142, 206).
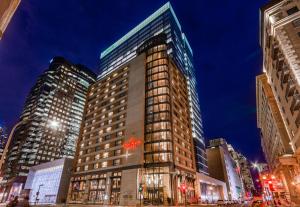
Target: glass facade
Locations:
point(50, 121)
point(45, 185)
point(158, 142)
point(121, 52)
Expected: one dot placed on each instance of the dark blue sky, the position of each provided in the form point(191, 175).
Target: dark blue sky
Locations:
point(223, 35)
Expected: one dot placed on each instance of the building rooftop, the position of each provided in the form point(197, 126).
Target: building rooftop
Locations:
point(140, 26)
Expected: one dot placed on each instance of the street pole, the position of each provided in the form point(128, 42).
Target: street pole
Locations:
point(140, 191)
point(37, 193)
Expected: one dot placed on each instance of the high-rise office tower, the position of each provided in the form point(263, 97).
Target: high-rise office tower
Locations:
point(122, 51)
point(139, 134)
point(7, 10)
point(3, 139)
point(246, 175)
point(278, 99)
point(49, 125)
point(243, 167)
point(222, 166)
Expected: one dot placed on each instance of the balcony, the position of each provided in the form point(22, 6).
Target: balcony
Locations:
point(274, 52)
point(279, 65)
point(295, 103)
point(285, 75)
point(290, 89)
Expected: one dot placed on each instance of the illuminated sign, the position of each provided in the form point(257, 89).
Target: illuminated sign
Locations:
point(132, 143)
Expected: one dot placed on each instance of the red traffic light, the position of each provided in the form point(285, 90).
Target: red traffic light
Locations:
point(183, 188)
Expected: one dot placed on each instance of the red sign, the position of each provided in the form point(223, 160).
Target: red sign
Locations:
point(132, 143)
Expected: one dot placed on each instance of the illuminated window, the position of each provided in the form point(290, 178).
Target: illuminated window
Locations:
point(104, 164)
point(105, 154)
point(117, 152)
point(86, 167)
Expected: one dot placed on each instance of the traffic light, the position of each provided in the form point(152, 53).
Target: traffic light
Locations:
point(183, 188)
point(140, 188)
point(271, 187)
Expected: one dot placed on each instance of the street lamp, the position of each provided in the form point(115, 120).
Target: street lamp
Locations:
point(255, 165)
point(183, 189)
point(173, 175)
point(37, 193)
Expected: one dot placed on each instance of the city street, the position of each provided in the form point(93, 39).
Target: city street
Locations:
point(155, 103)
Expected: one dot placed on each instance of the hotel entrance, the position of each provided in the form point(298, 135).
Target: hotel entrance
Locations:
point(154, 196)
point(154, 188)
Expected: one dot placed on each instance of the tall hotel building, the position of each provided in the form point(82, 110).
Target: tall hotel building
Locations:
point(278, 88)
point(142, 123)
point(50, 122)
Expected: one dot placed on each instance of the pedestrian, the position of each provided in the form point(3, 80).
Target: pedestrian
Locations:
point(13, 202)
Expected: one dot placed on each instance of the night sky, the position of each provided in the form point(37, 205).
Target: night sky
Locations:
point(223, 34)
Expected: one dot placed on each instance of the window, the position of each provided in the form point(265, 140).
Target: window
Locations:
point(94, 184)
point(104, 164)
point(117, 162)
point(116, 183)
point(101, 184)
point(107, 137)
point(292, 10)
point(118, 143)
point(105, 154)
point(117, 152)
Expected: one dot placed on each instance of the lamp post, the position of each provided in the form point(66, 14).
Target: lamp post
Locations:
point(37, 193)
point(211, 193)
point(183, 189)
point(172, 177)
